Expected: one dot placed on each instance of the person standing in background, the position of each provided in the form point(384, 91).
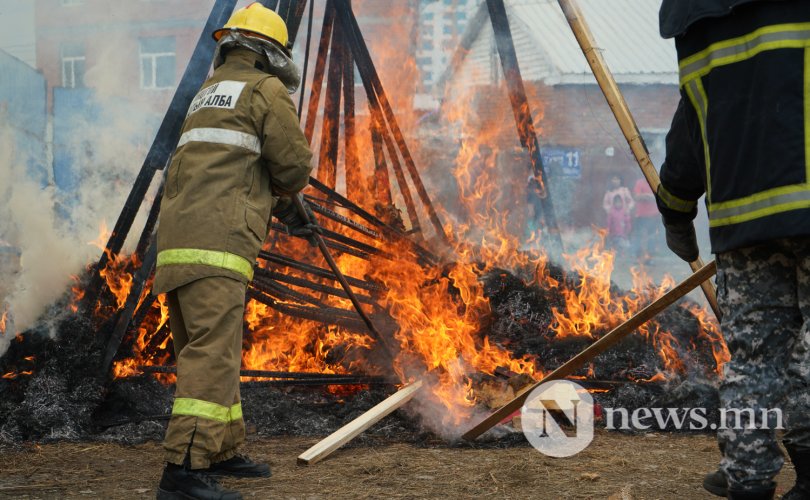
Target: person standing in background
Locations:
point(647, 221)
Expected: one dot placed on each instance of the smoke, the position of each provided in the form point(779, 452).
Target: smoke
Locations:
point(47, 253)
point(57, 232)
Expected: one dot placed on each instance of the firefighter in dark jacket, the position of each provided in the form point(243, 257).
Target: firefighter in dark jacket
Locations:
point(741, 135)
point(241, 155)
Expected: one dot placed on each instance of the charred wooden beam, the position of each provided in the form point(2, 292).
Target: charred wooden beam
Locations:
point(143, 310)
point(305, 69)
point(157, 339)
point(382, 181)
point(388, 230)
point(355, 183)
point(326, 315)
point(277, 374)
point(341, 219)
point(149, 226)
point(315, 287)
point(320, 69)
point(522, 111)
point(314, 382)
point(270, 287)
point(318, 271)
point(375, 91)
point(341, 243)
point(330, 132)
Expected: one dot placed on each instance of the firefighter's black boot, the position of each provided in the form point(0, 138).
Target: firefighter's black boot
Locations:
point(716, 483)
point(801, 462)
point(239, 466)
point(764, 493)
point(180, 483)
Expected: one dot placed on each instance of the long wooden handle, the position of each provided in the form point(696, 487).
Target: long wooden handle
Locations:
point(598, 347)
point(708, 289)
point(623, 116)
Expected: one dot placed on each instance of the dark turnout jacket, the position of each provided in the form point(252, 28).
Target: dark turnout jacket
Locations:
point(741, 133)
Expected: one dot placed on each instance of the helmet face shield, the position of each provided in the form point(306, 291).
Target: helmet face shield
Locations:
point(279, 61)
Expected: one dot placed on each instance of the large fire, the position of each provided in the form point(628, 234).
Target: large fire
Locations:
point(439, 310)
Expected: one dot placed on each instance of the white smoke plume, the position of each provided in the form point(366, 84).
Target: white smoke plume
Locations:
point(56, 232)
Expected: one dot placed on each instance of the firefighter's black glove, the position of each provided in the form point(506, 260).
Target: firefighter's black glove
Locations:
point(681, 240)
point(297, 224)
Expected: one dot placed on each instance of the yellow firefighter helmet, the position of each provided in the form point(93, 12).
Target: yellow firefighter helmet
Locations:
point(258, 20)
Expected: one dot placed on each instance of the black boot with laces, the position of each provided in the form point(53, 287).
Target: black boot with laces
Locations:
point(239, 466)
point(180, 483)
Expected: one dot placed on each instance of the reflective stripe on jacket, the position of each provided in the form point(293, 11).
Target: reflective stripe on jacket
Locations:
point(741, 133)
point(241, 146)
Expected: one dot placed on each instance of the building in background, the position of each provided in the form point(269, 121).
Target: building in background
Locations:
point(441, 24)
point(23, 117)
point(111, 70)
point(141, 47)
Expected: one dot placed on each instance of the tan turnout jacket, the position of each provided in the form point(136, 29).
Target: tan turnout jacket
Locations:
point(240, 148)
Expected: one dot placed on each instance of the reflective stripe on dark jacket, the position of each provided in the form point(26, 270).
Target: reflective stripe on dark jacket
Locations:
point(241, 146)
point(742, 129)
point(676, 16)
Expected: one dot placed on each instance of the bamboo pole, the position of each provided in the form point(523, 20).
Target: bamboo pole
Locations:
point(598, 347)
point(623, 116)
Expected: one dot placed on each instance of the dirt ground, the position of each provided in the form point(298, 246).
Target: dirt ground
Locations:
point(615, 466)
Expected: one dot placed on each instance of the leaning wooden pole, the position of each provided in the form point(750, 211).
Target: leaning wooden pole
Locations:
point(623, 116)
point(600, 346)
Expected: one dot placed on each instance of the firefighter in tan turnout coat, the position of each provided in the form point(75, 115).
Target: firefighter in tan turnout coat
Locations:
point(240, 156)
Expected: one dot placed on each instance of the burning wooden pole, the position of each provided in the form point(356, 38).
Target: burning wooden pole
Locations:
point(378, 99)
point(290, 378)
point(603, 344)
point(623, 116)
point(522, 111)
point(382, 340)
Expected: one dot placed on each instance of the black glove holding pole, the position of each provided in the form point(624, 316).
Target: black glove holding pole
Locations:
point(302, 225)
point(681, 240)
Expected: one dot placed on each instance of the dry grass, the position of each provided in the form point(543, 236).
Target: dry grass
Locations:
point(615, 466)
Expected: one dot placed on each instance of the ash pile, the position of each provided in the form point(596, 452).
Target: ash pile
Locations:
point(52, 391)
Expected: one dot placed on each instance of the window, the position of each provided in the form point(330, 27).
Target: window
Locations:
point(73, 62)
point(427, 16)
point(158, 62)
point(427, 45)
point(448, 29)
point(72, 2)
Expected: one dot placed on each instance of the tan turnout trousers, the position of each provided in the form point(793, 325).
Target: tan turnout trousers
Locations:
point(206, 322)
